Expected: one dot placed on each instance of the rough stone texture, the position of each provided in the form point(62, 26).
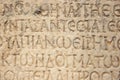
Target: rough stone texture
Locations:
point(59, 39)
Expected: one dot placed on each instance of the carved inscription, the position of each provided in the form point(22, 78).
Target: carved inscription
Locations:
point(60, 40)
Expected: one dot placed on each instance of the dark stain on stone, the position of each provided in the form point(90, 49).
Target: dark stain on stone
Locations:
point(38, 11)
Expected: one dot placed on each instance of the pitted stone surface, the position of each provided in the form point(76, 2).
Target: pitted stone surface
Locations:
point(59, 39)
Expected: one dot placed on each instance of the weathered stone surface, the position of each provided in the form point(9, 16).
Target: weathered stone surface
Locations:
point(59, 39)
